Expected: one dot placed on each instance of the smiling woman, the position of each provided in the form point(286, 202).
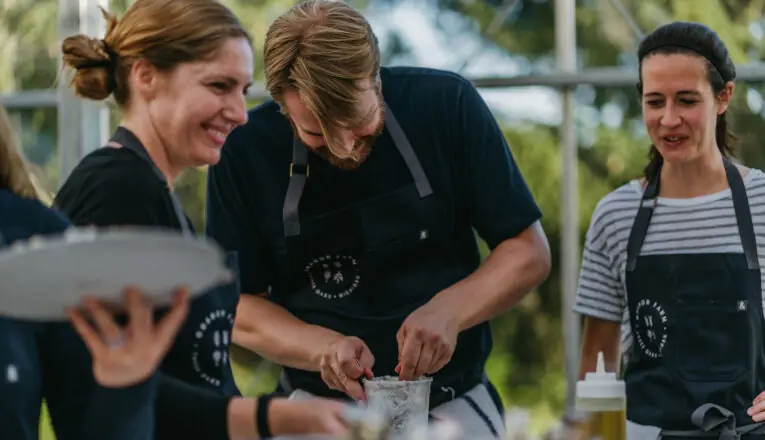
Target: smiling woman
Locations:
point(181, 88)
point(179, 70)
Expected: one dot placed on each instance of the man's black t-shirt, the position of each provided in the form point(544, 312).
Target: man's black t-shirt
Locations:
point(116, 187)
point(461, 149)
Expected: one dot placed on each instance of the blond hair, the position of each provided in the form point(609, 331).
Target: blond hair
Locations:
point(14, 173)
point(322, 49)
point(166, 33)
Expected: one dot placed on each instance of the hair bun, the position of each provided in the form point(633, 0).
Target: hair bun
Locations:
point(82, 52)
point(94, 62)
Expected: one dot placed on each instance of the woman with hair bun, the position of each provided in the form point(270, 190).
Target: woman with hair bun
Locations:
point(179, 70)
point(94, 390)
point(675, 259)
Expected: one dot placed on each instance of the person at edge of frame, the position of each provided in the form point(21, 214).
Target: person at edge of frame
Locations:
point(179, 71)
point(100, 385)
point(671, 266)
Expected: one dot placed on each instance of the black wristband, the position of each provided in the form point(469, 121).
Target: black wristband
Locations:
point(261, 416)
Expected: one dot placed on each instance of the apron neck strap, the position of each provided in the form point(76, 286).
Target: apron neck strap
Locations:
point(740, 205)
point(127, 139)
point(300, 170)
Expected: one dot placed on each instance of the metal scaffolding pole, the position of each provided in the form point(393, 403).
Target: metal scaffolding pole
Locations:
point(599, 77)
point(82, 125)
point(565, 51)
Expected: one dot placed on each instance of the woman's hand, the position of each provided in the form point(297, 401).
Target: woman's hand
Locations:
point(311, 416)
point(757, 411)
point(287, 417)
point(123, 357)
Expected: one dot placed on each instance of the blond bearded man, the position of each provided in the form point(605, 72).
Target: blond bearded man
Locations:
point(352, 200)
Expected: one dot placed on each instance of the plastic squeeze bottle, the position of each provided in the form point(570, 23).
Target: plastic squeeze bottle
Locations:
point(603, 397)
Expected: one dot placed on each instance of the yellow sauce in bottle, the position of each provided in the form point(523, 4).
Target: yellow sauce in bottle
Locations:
point(603, 397)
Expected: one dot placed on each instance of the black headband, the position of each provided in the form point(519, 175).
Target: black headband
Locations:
point(696, 49)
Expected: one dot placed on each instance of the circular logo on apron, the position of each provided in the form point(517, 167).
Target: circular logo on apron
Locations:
point(650, 327)
point(211, 343)
point(333, 276)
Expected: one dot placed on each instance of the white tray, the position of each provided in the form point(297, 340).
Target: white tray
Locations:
point(42, 277)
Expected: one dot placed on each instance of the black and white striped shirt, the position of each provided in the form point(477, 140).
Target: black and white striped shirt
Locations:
point(705, 224)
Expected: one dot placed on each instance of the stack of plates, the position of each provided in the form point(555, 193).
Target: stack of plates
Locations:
point(42, 277)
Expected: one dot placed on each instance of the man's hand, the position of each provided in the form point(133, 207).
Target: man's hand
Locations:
point(344, 362)
point(426, 342)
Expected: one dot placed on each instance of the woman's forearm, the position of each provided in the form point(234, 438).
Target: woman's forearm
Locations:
point(599, 335)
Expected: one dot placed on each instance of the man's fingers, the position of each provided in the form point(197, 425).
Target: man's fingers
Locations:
point(440, 357)
point(400, 338)
point(348, 372)
point(350, 366)
point(89, 335)
point(427, 354)
point(438, 365)
point(443, 358)
point(354, 390)
point(409, 357)
point(329, 377)
point(366, 358)
point(338, 374)
point(354, 357)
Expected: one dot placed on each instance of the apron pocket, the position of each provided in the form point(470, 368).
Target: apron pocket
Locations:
point(712, 339)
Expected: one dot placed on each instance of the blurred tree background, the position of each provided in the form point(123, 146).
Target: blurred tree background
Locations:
point(527, 362)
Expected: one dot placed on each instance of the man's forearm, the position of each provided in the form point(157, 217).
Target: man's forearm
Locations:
point(274, 333)
point(511, 271)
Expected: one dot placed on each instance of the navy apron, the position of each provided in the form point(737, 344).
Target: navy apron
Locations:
point(205, 337)
point(696, 362)
point(336, 262)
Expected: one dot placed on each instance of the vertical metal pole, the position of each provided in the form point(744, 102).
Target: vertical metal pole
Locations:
point(565, 51)
point(82, 125)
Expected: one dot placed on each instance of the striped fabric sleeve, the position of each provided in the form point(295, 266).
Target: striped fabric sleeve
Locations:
point(599, 293)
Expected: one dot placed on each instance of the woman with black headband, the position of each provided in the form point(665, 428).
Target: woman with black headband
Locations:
point(179, 71)
point(673, 259)
point(94, 388)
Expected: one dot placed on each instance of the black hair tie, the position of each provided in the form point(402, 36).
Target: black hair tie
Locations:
point(107, 63)
point(110, 64)
point(112, 54)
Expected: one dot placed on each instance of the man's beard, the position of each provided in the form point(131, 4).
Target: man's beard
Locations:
point(362, 148)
